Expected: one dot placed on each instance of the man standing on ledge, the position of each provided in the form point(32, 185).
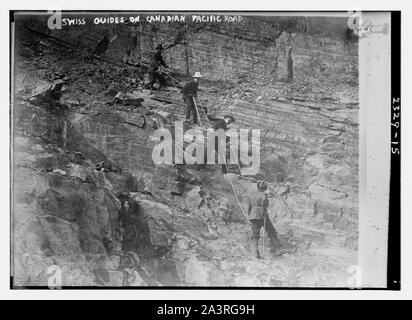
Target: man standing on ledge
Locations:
point(189, 93)
point(257, 211)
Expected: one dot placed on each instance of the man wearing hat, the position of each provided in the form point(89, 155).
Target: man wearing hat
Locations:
point(258, 216)
point(157, 61)
point(189, 93)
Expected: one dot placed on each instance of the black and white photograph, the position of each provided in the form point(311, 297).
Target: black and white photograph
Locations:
point(202, 149)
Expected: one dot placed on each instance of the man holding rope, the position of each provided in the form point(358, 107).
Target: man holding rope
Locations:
point(257, 211)
point(223, 124)
point(189, 93)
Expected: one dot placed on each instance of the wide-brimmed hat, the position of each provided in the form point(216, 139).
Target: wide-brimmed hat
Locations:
point(262, 186)
point(197, 75)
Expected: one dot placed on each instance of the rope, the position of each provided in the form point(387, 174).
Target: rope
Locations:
point(197, 111)
point(237, 162)
point(227, 169)
point(231, 149)
point(234, 191)
point(236, 196)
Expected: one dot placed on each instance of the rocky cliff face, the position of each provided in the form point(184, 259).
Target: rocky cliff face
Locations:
point(88, 199)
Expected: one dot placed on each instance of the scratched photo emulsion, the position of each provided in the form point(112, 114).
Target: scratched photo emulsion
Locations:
point(186, 149)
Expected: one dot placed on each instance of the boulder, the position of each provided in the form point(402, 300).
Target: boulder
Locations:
point(198, 272)
point(158, 214)
point(339, 174)
point(46, 161)
point(155, 209)
point(37, 148)
point(136, 118)
point(194, 198)
point(219, 279)
point(109, 278)
point(46, 92)
point(61, 236)
point(166, 273)
point(129, 260)
point(78, 171)
point(98, 218)
point(128, 99)
point(90, 244)
point(165, 181)
point(225, 210)
point(30, 269)
point(318, 161)
point(66, 203)
point(134, 279)
point(106, 262)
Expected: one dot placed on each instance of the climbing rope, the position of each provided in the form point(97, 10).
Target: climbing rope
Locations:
point(167, 74)
point(231, 149)
point(233, 187)
point(197, 112)
point(227, 168)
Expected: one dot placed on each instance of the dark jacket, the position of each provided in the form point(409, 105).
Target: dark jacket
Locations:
point(190, 89)
point(157, 60)
point(220, 124)
point(257, 205)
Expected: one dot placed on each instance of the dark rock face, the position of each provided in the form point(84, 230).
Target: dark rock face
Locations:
point(69, 213)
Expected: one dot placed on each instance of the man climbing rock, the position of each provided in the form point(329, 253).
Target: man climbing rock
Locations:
point(154, 74)
point(189, 93)
point(223, 123)
point(258, 216)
